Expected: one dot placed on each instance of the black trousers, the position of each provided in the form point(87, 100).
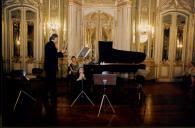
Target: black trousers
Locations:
point(50, 91)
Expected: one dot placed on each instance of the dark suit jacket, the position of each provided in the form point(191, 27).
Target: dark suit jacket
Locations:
point(51, 57)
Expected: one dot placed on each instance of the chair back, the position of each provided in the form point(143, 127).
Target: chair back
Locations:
point(37, 71)
point(17, 74)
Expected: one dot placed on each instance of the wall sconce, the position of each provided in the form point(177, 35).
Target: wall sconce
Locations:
point(152, 31)
point(18, 42)
point(53, 26)
point(143, 37)
point(179, 44)
point(143, 29)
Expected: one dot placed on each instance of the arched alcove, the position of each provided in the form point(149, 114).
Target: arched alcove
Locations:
point(97, 26)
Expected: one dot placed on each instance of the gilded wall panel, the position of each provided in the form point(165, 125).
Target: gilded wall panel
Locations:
point(54, 9)
point(97, 26)
point(164, 72)
point(98, 1)
point(177, 71)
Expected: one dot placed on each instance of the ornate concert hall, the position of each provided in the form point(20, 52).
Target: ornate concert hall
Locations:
point(98, 63)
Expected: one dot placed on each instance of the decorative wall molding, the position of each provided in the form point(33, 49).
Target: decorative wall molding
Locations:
point(35, 3)
point(176, 4)
point(123, 2)
point(97, 26)
point(102, 2)
point(79, 2)
point(98, 2)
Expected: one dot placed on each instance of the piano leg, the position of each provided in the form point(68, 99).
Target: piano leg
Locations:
point(140, 91)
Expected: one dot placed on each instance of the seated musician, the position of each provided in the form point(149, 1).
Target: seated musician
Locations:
point(188, 78)
point(81, 74)
point(73, 69)
point(74, 66)
point(191, 73)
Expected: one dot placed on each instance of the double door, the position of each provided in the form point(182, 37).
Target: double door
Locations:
point(22, 36)
point(174, 45)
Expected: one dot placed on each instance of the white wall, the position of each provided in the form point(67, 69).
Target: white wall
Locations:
point(74, 29)
point(123, 35)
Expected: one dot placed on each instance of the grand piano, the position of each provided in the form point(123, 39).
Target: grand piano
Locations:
point(114, 60)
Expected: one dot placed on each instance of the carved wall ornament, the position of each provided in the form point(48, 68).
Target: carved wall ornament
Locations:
point(97, 26)
point(121, 2)
point(186, 4)
point(9, 2)
point(176, 4)
point(35, 3)
point(98, 1)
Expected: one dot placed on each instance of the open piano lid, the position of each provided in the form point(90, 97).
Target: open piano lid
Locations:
point(109, 55)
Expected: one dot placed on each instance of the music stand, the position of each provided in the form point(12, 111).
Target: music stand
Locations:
point(81, 94)
point(104, 79)
point(24, 92)
point(84, 52)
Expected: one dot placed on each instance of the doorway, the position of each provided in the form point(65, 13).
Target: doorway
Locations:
point(173, 45)
point(21, 37)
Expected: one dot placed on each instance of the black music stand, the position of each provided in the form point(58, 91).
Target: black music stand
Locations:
point(24, 77)
point(81, 94)
point(105, 79)
point(84, 52)
point(19, 94)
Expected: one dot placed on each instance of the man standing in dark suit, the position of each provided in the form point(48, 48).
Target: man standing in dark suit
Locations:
point(51, 67)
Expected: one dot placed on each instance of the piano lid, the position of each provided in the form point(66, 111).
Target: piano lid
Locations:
point(109, 55)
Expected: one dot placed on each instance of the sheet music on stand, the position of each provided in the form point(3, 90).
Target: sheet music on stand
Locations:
point(111, 79)
point(84, 52)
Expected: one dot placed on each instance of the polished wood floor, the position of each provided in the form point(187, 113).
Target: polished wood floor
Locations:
point(164, 104)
